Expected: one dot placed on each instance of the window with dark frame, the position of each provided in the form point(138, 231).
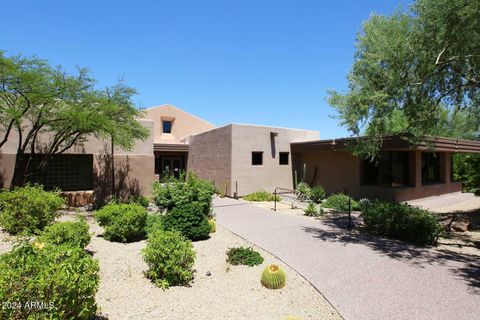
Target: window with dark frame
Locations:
point(283, 159)
point(167, 126)
point(257, 158)
point(430, 168)
point(67, 172)
point(392, 169)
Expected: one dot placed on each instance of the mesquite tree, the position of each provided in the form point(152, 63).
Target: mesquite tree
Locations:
point(51, 111)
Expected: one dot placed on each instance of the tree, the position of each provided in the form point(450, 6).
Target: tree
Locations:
point(415, 67)
point(51, 111)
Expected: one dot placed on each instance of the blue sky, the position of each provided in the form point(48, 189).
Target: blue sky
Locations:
point(262, 62)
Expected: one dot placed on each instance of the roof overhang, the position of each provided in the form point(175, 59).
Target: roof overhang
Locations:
point(396, 142)
point(171, 147)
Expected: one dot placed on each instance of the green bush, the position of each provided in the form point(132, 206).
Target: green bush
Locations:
point(312, 210)
point(122, 222)
point(317, 194)
point(401, 221)
point(261, 195)
point(141, 200)
point(169, 257)
point(64, 279)
point(154, 222)
point(303, 188)
point(72, 232)
point(28, 209)
point(189, 220)
point(339, 202)
point(244, 256)
point(176, 192)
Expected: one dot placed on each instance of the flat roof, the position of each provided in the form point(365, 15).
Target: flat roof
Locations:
point(394, 142)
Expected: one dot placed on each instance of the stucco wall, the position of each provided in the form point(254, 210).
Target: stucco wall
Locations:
point(336, 171)
point(270, 175)
point(184, 124)
point(134, 168)
point(210, 157)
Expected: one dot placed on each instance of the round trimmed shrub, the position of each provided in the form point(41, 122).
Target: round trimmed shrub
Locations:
point(122, 222)
point(401, 221)
point(61, 280)
point(154, 222)
point(28, 209)
point(316, 194)
point(244, 256)
point(339, 202)
point(71, 232)
point(189, 220)
point(170, 258)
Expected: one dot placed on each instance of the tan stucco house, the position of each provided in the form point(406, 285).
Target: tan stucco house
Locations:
point(242, 158)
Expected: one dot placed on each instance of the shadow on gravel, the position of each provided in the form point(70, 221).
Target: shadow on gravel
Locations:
point(464, 266)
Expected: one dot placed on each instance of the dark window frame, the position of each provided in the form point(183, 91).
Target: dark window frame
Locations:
point(431, 168)
point(255, 161)
point(392, 169)
point(282, 160)
point(167, 129)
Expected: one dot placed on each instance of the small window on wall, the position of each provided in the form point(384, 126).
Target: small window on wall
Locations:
point(284, 158)
point(167, 126)
point(257, 158)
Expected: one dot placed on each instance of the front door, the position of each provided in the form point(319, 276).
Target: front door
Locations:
point(172, 166)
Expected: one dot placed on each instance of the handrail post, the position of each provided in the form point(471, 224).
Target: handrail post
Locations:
point(349, 213)
point(275, 199)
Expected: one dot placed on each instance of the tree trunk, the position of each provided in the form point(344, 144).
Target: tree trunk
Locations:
point(20, 174)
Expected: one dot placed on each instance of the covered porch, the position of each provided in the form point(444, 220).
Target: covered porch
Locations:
point(170, 159)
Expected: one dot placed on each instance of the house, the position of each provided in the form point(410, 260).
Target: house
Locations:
point(242, 158)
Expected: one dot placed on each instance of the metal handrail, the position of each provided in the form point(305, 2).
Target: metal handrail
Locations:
point(287, 193)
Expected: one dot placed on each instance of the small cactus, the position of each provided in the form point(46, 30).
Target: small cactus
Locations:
point(213, 225)
point(273, 277)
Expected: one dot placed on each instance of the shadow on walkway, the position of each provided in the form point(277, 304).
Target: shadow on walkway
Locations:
point(464, 266)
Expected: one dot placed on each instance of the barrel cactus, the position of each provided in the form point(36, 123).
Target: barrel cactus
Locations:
point(213, 225)
point(273, 277)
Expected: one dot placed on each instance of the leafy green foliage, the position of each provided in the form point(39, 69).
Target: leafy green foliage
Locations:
point(63, 277)
point(169, 257)
point(401, 221)
point(261, 195)
point(176, 192)
point(273, 277)
point(38, 101)
point(339, 202)
point(122, 222)
point(467, 170)
point(412, 73)
point(28, 209)
point(316, 194)
point(141, 200)
point(74, 233)
point(189, 220)
point(303, 188)
point(213, 225)
point(154, 222)
point(312, 210)
point(244, 256)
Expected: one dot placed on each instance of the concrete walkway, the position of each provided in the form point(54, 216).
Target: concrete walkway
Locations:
point(363, 277)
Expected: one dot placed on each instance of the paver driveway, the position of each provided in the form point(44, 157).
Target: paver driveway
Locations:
point(363, 277)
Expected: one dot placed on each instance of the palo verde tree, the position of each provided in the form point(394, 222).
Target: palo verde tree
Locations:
point(51, 111)
point(413, 72)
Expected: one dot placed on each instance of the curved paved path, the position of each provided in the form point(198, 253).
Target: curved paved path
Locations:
point(363, 277)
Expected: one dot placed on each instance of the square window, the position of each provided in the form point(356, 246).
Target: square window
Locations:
point(167, 126)
point(257, 158)
point(284, 158)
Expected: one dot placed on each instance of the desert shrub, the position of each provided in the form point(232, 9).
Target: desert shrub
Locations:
point(312, 210)
point(401, 221)
point(154, 222)
point(63, 278)
point(213, 225)
point(72, 232)
point(303, 188)
point(244, 256)
point(28, 209)
point(169, 257)
point(122, 222)
point(141, 200)
point(261, 195)
point(316, 194)
point(339, 202)
point(176, 192)
point(189, 220)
